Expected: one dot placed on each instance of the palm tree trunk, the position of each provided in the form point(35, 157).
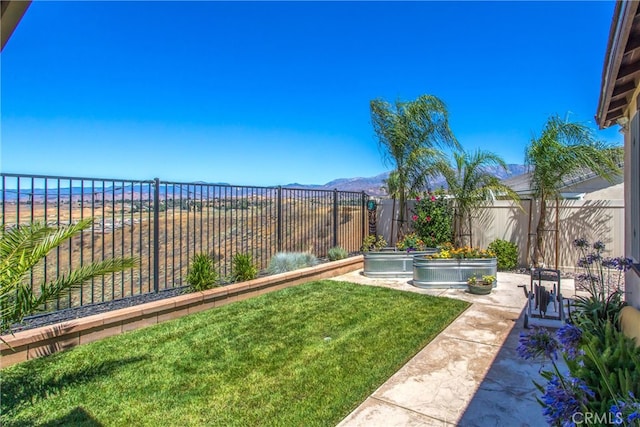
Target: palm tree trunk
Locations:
point(457, 227)
point(393, 219)
point(538, 254)
point(470, 230)
point(403, 203)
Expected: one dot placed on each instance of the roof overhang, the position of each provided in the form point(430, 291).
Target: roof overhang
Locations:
point(11, 12)
point(621, 71)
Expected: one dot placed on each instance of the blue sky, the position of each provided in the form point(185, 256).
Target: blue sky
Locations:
point(261, 93)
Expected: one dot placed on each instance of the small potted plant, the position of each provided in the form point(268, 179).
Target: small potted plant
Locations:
point(480, 286)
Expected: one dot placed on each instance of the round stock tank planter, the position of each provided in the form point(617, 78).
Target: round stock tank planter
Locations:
point(480, 289)
point(450, 272)
point(391, 263)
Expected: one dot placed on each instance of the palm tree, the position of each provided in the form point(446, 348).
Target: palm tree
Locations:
point(564, 149)
point(25, 247)
point(412, 134)
point(471, 184)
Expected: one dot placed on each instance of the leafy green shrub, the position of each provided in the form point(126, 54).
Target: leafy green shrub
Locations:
point(373, 243)
point(602, 373)
point(603, 363)
point(506, 253)
point(603, 281)
point(243, 268)
point(609, 366)
point(337, 253)
point(289, 261)
point(432, 219)
point(202, 274)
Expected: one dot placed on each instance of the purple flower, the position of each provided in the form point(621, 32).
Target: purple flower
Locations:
point(539, 342)
point(569, 337)
point(562, 399)
point(589, 260)
point(581, 243)
point(598, 246)
point(623, 264)
point(627, 409)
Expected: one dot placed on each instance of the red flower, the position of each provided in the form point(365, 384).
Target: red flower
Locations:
point(418, 199)
point(433, 198)
point(415, 217)
point(428, 218)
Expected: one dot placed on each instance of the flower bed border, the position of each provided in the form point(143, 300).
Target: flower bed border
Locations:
point(46, 340)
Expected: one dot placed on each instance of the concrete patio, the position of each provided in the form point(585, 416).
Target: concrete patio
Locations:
point(470, 374)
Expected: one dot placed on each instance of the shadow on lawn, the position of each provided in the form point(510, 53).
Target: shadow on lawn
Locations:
point(28, 383)
point(77, 417)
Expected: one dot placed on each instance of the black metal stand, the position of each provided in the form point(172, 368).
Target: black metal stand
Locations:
point(544, 298)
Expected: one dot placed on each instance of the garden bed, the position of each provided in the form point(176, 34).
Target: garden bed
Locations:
point(391, 263)
point(451, 272)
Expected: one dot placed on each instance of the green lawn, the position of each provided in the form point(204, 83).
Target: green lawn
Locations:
point(306, 355)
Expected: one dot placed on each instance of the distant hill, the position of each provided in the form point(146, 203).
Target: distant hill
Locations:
point(374, 186)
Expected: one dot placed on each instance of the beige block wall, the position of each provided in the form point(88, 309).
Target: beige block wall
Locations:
point(592, 219)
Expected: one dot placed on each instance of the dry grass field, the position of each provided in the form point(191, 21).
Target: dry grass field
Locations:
point(220, 229)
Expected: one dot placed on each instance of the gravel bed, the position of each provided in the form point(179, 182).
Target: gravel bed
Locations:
point(52, 318)
point(77, 312)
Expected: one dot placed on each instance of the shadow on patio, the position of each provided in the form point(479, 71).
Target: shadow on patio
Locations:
point(470, 375)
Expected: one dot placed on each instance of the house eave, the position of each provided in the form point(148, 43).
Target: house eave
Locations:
point(621, 70)
point(11, 12)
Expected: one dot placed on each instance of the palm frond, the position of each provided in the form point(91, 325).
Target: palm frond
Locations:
point(23, 249)
point(80, 276)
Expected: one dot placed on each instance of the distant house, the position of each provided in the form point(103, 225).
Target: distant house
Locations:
point(619, 104)
point(582, 186)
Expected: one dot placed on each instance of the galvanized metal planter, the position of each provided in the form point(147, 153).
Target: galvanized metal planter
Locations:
point(450, 273)
point(479, 289)
point(391, 263)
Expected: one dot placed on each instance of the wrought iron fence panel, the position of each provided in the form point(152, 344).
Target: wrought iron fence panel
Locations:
point(164, 224)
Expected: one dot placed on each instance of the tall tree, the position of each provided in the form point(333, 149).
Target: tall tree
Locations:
point(472, 184)
point(412, 135)
point(565, 149)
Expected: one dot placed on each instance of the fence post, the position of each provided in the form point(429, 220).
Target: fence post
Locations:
point(335, 217)
point(156, 235)
point(363, 215)
point(279, 223)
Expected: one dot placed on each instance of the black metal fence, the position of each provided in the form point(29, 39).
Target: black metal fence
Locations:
point(164, 224)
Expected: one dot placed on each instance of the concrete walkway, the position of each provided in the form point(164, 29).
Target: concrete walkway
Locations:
point(470, 374)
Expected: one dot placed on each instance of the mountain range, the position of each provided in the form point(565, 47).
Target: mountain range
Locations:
point(374, 186)
point(120, 190)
